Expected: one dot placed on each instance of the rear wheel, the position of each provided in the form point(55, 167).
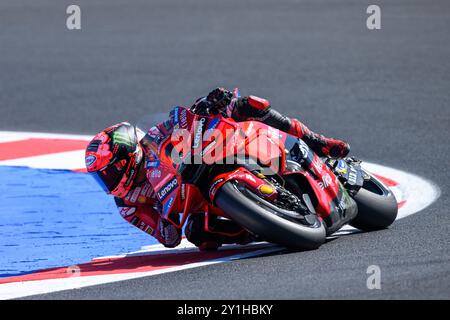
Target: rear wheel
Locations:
point(377, 206)
point(272, 223)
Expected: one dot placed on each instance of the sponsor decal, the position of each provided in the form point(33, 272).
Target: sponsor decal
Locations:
point(210, 129)
point(156, 173)
point(90, 160)
point(142, 225)
point(126, 211)
point(121, 138)
point(168, 204)
point(167, 189)
point(157, 139)
point(198, 133)
point(341, 164)
point(326, 181)
point(352, 176)
point(163, 181)
point(317, 164)
point(341, 167)
point(135, 221)
point(304, 149)
point(154, 135)
point(183, 192)
point(149, 230)
point(183, 118)
point(127, 198)
point(150, 154)
point(153, 132)
point(149, 193)
point(176, 116)
point(130, 178)
point(145, 189)
point(179, 117)
point(151, 164)
point(135, 194)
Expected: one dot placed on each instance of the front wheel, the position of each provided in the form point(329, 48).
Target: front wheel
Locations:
point(268, 221)
point(377, 206)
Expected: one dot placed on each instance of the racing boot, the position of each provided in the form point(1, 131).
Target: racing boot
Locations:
point(209, 246)
point(320, 144)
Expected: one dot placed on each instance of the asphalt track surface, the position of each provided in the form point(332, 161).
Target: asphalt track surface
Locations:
point(387, 92)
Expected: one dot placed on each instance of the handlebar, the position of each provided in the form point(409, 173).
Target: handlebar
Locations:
point(206, 108)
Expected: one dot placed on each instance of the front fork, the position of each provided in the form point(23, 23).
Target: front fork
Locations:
point(348, 171)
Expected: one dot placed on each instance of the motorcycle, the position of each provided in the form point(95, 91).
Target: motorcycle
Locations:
point(269, 182)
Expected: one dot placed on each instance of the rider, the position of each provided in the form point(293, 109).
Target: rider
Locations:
point(116, 157)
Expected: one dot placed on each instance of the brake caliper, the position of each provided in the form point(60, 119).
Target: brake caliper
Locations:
point(287, 199)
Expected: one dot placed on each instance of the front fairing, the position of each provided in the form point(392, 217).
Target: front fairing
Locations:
point(333, 202)
point(264, 143)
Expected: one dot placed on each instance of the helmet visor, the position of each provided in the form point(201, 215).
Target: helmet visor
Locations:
point(109, 178)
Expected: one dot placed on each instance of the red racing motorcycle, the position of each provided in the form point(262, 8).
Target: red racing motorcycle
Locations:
point(267, 181)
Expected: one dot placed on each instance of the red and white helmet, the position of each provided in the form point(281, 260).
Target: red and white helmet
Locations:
point(113, 157)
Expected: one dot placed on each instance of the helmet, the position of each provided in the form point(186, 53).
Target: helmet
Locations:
point(113, 157)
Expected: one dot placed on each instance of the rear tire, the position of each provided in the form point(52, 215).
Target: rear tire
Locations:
point(377, 206)
point(260, 219)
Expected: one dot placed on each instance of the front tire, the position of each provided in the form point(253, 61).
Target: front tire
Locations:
point(261, 219)
point(377, 206)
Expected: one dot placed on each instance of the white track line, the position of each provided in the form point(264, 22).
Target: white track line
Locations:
point(69, 160)
point(419, 192)
point(14, 135)
point(28, 288)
